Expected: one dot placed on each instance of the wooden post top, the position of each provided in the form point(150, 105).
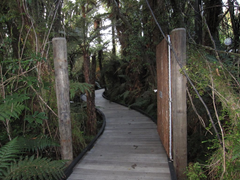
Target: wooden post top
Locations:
point(59, 38)
point(178, 29)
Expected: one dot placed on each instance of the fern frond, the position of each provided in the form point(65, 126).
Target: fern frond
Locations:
point(125, 95)
point(151, 107)
point(8, 110)
point(12, 107)
point(8, 153)
point(36, 143)
point(35, 168)
point(15, 98)
point(76, 87)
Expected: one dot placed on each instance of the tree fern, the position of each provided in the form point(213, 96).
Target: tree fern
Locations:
point(8, 153)
point(35, 168)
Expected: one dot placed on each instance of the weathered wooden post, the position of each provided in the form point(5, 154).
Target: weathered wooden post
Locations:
point(179, 104)
point(171, 99)
point(62, 91)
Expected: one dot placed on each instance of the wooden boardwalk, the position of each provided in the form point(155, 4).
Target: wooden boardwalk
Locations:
point(129, 148)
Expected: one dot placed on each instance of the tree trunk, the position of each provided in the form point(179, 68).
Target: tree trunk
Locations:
point(178, 8)
point(91, 113)
point(212, 11)
point(93, 125)
point(57, 22)
point(198, 21)
point(100, 52)
point(121, 29)
point(235, 24)
point(100, 59)
point(113, 39)
point(15, 37)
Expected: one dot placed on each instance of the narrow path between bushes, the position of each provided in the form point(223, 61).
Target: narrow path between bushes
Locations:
point(129, 148)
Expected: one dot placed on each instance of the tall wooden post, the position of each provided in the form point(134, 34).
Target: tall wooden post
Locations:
point(62, 91)
point(179, 105)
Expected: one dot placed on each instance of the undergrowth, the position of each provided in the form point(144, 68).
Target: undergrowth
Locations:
point(217, 79)
point(16, 164)
point(80, 138)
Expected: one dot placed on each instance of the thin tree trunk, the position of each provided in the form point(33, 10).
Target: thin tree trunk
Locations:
point(212, 11)
point(178, 8)
point(198, 21)
point(113, 39)
point(91, 113)
point(100, 52)
point(235, 24)
point(100, 59)
point(57, 23)
point(91, 121)
point(93, 126)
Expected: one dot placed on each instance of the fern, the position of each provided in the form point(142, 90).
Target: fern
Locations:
point(76, 87)
point(8, 111)
point(36, 143)
point(151, 107)
point(12, 107)
point(35, 168)
point(15, 98)
point(125, 95)
point(8, 153)
point(11, 167)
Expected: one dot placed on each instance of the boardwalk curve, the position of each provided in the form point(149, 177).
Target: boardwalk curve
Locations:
point(129, 148)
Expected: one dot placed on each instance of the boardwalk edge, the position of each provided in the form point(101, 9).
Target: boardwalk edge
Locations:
point(69, 169)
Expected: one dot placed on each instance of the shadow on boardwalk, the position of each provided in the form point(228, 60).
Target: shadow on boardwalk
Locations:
point(129, 148)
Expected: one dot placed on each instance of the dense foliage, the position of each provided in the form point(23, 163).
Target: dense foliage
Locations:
point(125, 66)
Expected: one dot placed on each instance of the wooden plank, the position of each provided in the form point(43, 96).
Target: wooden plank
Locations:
point(130, 174)
point(163, 94)
point(179, 105)
point(125, 167)
point(124, 151)
point(137, 149)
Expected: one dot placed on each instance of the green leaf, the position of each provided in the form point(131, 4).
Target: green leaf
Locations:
point(36, 117)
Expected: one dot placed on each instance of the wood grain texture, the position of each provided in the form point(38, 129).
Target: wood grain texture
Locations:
point(62, 92)
point(163, 93)
point(129, 148)
point(179, 103)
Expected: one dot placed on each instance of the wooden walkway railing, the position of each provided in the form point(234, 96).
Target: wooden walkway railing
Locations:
point(129, 148)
